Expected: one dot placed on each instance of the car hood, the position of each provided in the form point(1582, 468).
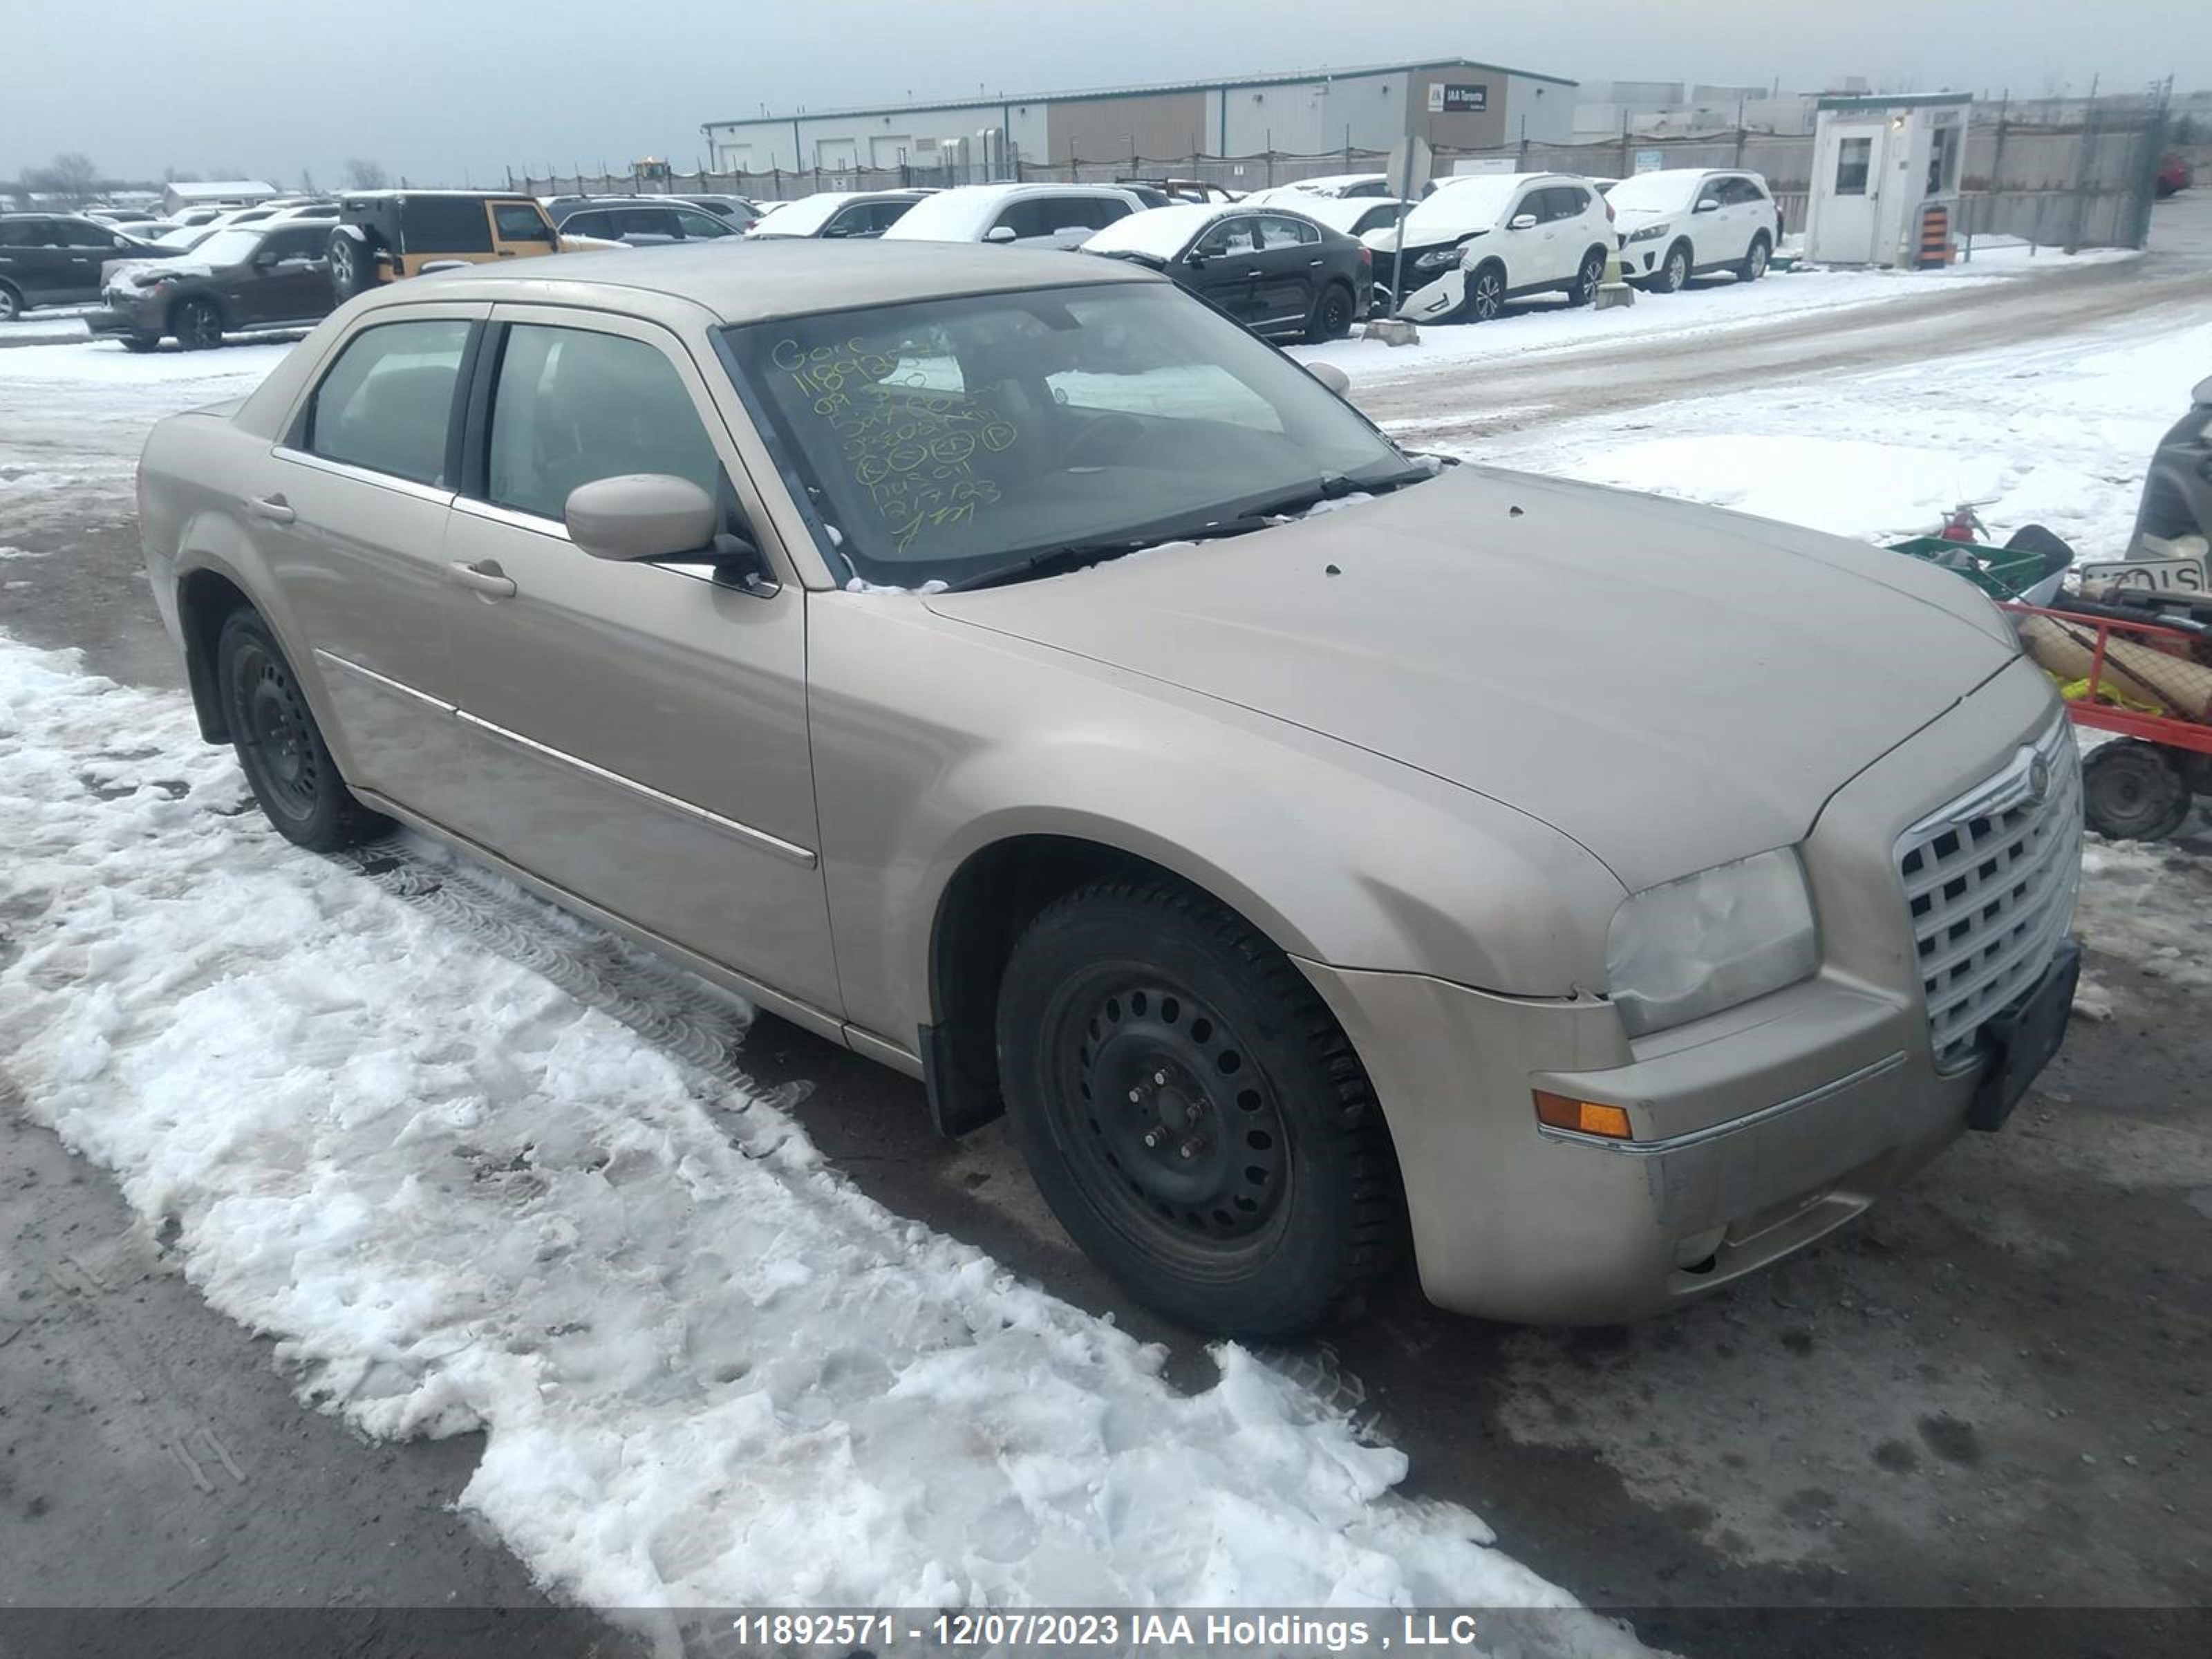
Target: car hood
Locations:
point(1672, 685)
point(1630, 218)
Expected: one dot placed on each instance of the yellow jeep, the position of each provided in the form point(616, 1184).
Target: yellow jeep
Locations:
point(384, 235)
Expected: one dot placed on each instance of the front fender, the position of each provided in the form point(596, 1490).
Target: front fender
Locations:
point(1336, 854)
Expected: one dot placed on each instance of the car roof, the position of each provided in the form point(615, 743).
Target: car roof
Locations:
point(790, 277)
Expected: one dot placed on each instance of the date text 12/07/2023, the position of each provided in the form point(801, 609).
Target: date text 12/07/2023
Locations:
point(1005, 1631)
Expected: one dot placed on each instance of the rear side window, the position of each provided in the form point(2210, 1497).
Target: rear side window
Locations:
point(587, 224)
point(445, 224)
point(697, 223)
point(519, 223)
point(1277, 231)
point(882, 215)
point(1565, 201)
point(571, 406)
point(27, 233)
point(1373, 219)
point(645, 222)
point(387, 402)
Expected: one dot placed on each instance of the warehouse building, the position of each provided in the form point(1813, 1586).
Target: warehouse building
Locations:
point(1457, 103)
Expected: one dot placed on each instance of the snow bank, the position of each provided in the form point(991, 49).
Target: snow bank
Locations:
point(712, 1372)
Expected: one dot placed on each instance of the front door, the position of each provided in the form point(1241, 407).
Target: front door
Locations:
point(638, 733)
point(1847, 185)
point(352, 523)
point(289, 280)
point(520, 230)
point(1224, 266)
point(1289, 265)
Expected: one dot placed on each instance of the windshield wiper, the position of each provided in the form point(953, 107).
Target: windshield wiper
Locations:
point(1075, 556)
point(1335, 486)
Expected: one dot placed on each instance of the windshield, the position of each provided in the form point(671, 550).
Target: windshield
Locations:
point(805, 216)
point(940, 439)
point(227, 247)
point(1665, 192)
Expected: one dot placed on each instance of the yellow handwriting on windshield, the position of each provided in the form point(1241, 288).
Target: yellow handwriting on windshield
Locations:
point(909, 441)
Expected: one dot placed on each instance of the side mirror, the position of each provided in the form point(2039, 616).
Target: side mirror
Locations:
point(1331, 377)
point(1521, 222)
point(1707, 205)
point(264, 260)
point(999, 233)
point(1197, 256)
point(641, 515)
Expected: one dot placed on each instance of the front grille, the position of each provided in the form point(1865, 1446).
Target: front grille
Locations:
point(1990, 881)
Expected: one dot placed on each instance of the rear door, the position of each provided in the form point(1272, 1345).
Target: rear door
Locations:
point(1532, 253)
point(353, 526)
point(697, 225)
point(1290, 263)
point(87, 244)
point(1567, 218)
point(638, 733)
point(645, 227)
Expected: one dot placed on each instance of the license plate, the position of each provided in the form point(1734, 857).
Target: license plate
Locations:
point(2021, 1043)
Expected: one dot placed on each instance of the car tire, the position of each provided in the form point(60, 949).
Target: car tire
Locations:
point(1332, 314)
point(2133, 791)
point(198, 325)
point(280, 748)
point(1486, 294)
point(1587, 276)
point(1192, 1114)
point(1674, 273)
point(1754, 261)
point(141, 342)
point(11, 303)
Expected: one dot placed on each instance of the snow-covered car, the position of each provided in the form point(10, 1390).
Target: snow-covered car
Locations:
point(1025, 215)
point(1276, 272)
point(56, 258)
point(1349, 215)
point(1680, 222)
point(1015, 672)
point(1479, 239)
point(1332, 184)
point(837, 214)
point(272, 275)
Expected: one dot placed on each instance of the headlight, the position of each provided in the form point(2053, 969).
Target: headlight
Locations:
point(1435, 257)
point(1648, 233)
point(1692, 947)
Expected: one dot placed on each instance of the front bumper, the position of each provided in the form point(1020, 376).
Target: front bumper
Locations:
point(120, 316)
point(1754, 1131)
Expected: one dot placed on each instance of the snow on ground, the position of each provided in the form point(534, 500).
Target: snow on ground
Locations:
point(712, 1372)
point(2057, 432)
point(1709, 306)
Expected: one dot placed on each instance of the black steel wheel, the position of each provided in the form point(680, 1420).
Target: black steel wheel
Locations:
point(1486, 295)
point(1332, 314)
point(198, 325)
point(280, 749)
point(1192, 1113)
point(2134, 791)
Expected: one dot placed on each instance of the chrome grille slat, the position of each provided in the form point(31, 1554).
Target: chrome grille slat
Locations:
point(1990, 883)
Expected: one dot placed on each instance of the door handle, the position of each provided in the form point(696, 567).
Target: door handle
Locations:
point(1254, 273)
point(275, 508)
point(484, 577)
point(506, 253)
point(1316, 264)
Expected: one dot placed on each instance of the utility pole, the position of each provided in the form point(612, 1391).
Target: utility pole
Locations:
point(1405, 193)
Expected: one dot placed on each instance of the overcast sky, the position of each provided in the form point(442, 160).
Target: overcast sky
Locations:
point(438, 90)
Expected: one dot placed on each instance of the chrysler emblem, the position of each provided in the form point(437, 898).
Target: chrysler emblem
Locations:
point(2038, 779)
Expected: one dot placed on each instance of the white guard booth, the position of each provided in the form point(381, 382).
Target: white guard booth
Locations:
point(1885, 187)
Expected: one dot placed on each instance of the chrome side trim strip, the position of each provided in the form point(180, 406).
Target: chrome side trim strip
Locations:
point(551, 528)
point(789, 851)
point(388, 684)
point(1715, 1131)
point(390, 481)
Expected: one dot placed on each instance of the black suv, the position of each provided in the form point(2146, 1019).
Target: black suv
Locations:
point(242, 278)
point(54, 259)
point(638, 221)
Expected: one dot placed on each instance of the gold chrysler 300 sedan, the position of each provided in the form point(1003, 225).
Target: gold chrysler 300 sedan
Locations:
point(948, 649)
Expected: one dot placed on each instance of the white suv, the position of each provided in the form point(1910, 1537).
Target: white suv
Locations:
point(1678, 222)
point(1022, 215)
point(1481, 239)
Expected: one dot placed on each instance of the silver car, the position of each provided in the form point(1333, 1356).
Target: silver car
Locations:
point(1013, 669)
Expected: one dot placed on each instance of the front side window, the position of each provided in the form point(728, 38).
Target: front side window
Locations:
point(587, 224)
point(86, 235)
point(27, 233)
point(297, 244)
point(645, 222)
point(570, 406)
point(945, 439)
point(697, 223)
point(1237, 235)
point(1854, 157)
point(517, 221)
point(1025, 219)
point(387, 402)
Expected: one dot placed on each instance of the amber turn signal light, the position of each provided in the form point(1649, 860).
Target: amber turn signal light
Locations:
point(1585, 1117)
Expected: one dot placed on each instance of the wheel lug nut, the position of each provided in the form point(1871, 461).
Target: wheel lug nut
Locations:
point(1151, 1138)
point(1192, 1148)
point(1161, 1078)
point(1134, 1097)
